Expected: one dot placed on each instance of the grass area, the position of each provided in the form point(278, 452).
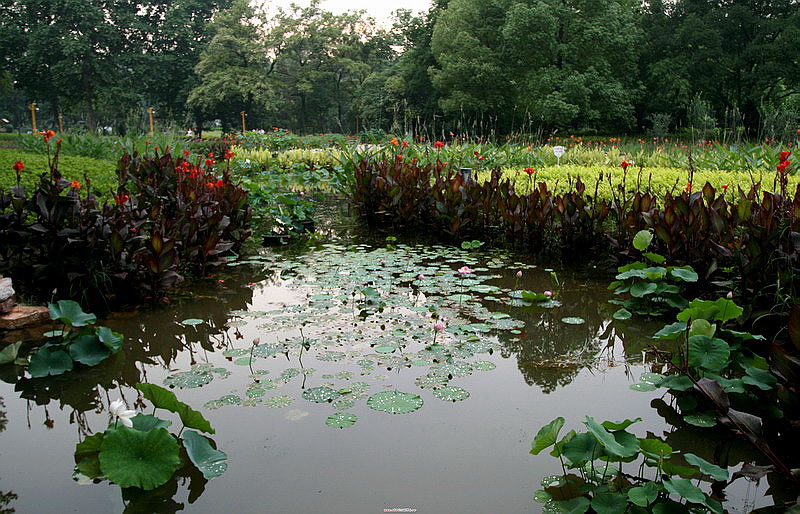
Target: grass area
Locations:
point(658, 180)
point(101, 172)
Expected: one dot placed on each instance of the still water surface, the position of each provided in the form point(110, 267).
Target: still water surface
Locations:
point(367, 322)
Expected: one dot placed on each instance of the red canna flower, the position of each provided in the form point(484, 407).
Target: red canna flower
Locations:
point(75, 184)
point(688, 187)
point(228, 154)
point(211, 154)
point(784, 155)
point(210, 185)
point(220, 183)
point(725, 187)
point(405, 145)
point(18, 166)
point(481, 157)
point(782, 166)
point(624, 165)
point(186, 153)
point(530, 171)
point(438, 145)
point(121, 200)
point(48, 134)
point(394, 141)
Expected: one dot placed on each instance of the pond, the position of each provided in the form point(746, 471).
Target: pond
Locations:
point(348, 377)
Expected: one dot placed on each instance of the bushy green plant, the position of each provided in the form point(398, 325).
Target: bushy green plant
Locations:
point(80, 343)
point(594, 464)
point(653, 289)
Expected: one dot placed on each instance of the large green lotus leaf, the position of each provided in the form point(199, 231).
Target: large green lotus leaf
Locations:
point(644, 495)
point(641, 288)
point(671, 331)
point(620, 425)
point(320, 394)
point(394, 402)
point(9, 353)
point(684, 488)
point(88, 446)
point(609, 503)
point(607, 439)
point(707, 468)
point(133, 458)
point(547, 436)
point(210, 461)
point(655, 448)
point(721, 309)
point(70, 313)
point(577, 505)
point(164, 399)
point(677, 382)
point(341, 420)
point(708, 353)
point(147, 422)
point(111, 339)
point(642, 240)
point(451, 394)
point(685, 273)
point(49, 361)
point(582, 448)
point(88, 349)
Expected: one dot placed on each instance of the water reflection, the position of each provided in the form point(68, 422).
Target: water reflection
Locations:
point(5, 497)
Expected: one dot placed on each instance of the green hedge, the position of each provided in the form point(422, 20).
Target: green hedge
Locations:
point(658, 180)
point(101, 172)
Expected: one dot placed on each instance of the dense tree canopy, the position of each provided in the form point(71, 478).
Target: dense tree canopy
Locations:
point(482, 66)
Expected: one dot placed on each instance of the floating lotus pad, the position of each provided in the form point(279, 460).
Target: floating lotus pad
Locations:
point(395, 402)
point(276, 402)
point(483, 366)
point(341, 420)
point(344, 402)
point(451, 394)
point(573, 321)
point(321, 394)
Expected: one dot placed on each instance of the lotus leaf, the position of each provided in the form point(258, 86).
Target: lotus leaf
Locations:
point(395, 402)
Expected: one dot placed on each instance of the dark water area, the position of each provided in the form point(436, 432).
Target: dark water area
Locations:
point(257, 348)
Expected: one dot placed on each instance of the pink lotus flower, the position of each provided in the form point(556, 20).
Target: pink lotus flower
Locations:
point(548, 294)
point(420, 277)
point(464, 270)
point(438, 326)
point(729, 295)
point(519, 274)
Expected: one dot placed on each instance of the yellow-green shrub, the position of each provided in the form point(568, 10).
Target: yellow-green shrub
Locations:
point(657, 179)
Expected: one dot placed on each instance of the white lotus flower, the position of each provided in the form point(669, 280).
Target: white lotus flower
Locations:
point(118, 409)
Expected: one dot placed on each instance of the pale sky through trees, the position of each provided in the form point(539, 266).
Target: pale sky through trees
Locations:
point(381, 10)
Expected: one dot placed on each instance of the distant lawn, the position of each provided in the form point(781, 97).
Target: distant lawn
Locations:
point(101, 172)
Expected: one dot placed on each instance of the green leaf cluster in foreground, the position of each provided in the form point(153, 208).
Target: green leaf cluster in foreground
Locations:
point(147, 455)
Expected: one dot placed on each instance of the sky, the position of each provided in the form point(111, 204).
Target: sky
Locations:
point(379, 9)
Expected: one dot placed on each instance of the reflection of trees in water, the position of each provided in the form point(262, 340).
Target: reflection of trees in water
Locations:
point(5, 498)
point(551, 353)
point(157, 341)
